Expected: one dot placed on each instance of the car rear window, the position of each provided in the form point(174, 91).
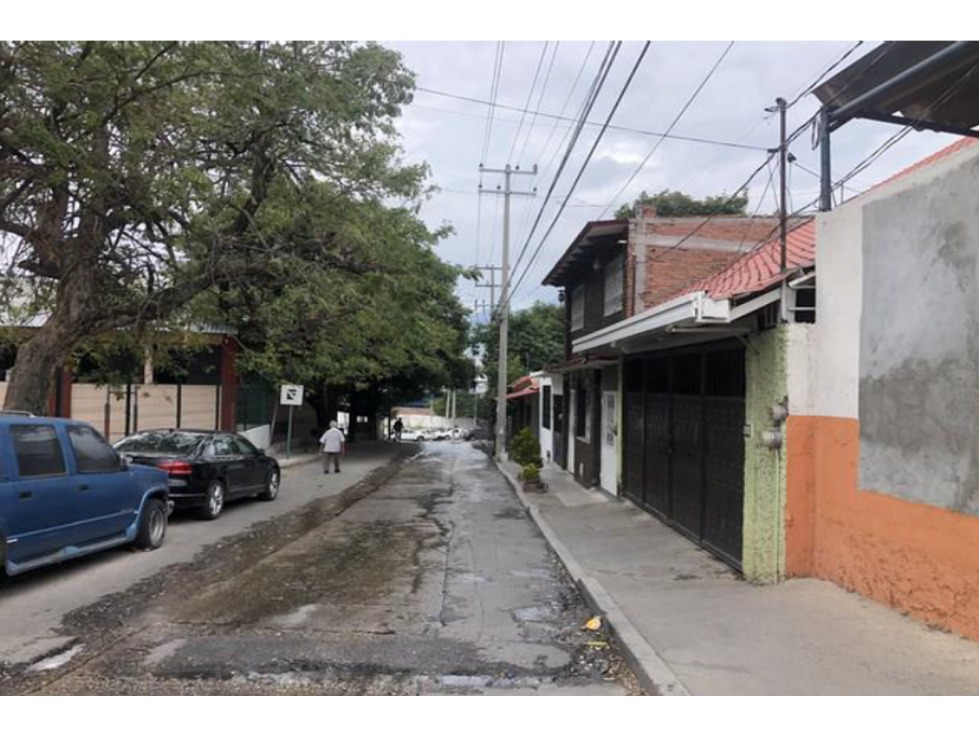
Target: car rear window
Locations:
point(38, 451)
point(161, 442)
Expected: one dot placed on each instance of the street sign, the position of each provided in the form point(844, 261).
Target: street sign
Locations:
point(291, 395)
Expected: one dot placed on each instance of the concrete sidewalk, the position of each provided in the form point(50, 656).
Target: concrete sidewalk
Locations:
point(691, 625)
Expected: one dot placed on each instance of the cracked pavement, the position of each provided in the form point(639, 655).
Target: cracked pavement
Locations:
point(427, 577)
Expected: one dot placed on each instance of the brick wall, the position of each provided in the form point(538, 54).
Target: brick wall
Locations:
point(656, 270)
point(668, 271)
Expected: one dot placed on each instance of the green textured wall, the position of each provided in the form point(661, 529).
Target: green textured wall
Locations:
point(763, 553)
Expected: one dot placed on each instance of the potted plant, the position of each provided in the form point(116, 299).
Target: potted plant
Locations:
point(531, 479)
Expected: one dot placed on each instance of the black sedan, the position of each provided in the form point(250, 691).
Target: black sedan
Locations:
point(206, 468)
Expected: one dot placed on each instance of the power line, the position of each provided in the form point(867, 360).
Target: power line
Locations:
point(717, 210)
point(584, 165)
point(808, 88)
point(567, 101)
point(894, 139)
point(494, 87)
point(619, 128)
point(530, 96)
point(568, 128)
point(494, 90)
point(825, 74)
point(764, 193)
point(540, 99)
point(673, 124)
point(868, 160)
point(771, 154)
point(610, 53)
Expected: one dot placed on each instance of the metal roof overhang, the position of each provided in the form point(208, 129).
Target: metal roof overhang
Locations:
point(576, 364)
point(694, 315)
point(581, 249)
point(931, 85)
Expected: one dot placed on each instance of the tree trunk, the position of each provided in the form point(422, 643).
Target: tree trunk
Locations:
point(49, 347)
point(33, 374)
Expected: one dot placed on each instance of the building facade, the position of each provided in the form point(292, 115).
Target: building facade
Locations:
point(883, 495)
point(789, 441)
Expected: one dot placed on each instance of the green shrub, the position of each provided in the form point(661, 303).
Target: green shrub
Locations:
point(525, 449)
point(531, 473)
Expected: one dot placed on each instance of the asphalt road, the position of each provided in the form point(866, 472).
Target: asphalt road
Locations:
point(427, 577)
point(33, 606)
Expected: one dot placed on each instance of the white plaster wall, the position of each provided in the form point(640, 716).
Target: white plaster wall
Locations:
point(835, 342)
point(798, 367)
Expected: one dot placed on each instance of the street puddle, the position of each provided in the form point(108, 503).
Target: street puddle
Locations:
point(55, 661)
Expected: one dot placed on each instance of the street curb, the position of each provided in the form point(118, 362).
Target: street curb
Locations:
point(654, 674)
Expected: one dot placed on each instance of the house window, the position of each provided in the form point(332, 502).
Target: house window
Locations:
point(614, 279)
point(578, 308)
point(546, 407)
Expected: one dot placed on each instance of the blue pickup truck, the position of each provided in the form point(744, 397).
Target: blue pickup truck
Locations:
point(65, 492)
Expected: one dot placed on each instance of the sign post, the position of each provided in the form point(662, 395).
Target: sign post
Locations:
point(290, 395)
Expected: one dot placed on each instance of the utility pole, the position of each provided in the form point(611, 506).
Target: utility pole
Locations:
point(501, 378)
point(481, 306)
point(825, 163)
point(492, 285)
point(781, 107)
point(783, 163)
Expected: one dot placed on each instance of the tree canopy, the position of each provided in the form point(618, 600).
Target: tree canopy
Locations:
point(149, 184)
point(536, 339)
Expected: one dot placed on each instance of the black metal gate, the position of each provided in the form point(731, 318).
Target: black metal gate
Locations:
point(684, 414)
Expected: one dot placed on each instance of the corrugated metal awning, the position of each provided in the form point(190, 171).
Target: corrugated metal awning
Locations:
point(932, 84)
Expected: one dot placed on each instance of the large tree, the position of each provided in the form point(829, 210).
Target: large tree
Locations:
point(135, 177)
point(399, 331)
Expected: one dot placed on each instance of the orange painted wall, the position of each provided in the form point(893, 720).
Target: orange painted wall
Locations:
point(918, 558)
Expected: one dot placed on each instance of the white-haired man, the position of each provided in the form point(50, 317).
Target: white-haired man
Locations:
point(332, 442)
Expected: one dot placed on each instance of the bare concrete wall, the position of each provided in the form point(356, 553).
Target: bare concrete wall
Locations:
point(919, 342)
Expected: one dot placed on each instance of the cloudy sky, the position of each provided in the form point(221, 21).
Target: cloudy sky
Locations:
point(448, 134)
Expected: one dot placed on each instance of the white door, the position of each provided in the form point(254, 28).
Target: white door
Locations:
point(609, 463)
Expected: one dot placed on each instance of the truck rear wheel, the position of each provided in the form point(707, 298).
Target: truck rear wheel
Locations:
point(152, 525)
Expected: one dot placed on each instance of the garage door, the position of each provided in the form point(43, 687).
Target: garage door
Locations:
point(684, 442)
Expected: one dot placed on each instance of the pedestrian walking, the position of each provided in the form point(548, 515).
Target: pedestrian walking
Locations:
point(333, 443)
point(398, 428)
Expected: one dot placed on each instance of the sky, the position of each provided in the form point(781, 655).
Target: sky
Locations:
point(448, 135)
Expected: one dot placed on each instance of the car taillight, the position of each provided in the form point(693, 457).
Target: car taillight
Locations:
point(176, 468)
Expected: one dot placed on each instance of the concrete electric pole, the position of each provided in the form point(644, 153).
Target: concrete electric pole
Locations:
point(507, 193)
